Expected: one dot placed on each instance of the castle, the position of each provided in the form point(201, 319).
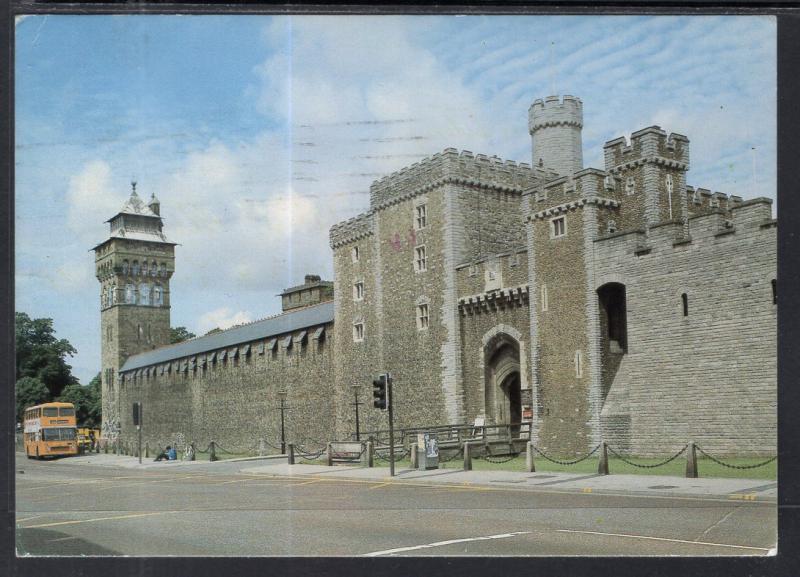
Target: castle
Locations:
point(618, 304)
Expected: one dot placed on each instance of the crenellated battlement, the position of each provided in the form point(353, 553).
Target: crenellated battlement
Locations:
point(452, 166)
point(651, 144)
point(702, 200)
point(351, 229)
point(555, 111)
point(585, 183)
point(741, 221)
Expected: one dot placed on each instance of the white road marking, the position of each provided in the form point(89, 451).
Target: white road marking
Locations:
point(94, 520)
point(443, 543)
point(663, 539)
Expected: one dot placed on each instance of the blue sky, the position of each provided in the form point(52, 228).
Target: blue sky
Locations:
point(258, 133)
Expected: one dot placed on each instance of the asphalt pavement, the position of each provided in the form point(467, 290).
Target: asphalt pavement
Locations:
point(112, 505)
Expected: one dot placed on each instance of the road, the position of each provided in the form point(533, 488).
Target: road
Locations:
point(216, 509)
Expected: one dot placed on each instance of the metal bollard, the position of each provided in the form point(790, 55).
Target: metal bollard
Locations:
point(146, 450)
point(529, 464)
point(370, 454)
point(691, 462)
point(602, 466)
point(213, 456)
point(194, 452)
point(290, 458)
point(414, 456)
point(330, 455)
point(467, 458)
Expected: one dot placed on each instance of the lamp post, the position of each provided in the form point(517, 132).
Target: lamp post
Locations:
point(282, 396)
point(356, 403)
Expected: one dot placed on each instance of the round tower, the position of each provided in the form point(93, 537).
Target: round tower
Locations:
point(555, 128)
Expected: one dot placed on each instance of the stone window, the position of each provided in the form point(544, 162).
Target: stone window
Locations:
point(163, 269)
point(668, 183)
point(358, 331)
point(109, 333)
point(609, 182)
point(558, 227)
point(125, 266)
point(420, 220)
point(630, 185)
point(130, 294)
point(421, 259)
point(544, 302)
point(139, 332)
point(422, 316)
point(354, 253)
point(774, 291)
point(158, 298)
point(153, 269)
point(358, 291)
point(144, 268)
point(135, 271)
point(685, 303)
point(578, 364)
point(144, 294)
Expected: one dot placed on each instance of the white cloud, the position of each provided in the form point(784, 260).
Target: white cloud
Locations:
point(91, 198)
point(222, 318)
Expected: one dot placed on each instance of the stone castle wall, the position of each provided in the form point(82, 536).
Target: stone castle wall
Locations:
point(235, 402)
point(709, 377)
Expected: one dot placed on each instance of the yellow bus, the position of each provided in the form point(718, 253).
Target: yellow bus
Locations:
point(49, 430)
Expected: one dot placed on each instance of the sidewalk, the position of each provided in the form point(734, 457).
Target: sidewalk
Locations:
point(128, 462)
point(645, 485)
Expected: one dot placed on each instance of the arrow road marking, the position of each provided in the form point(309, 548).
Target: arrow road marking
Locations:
point(443, 543)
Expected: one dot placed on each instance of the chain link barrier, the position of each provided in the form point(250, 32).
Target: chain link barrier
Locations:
point(451, 457)
point(574, 462)
point(388, 459)
point(728, 465)
point(652, 466)
point(497, 460)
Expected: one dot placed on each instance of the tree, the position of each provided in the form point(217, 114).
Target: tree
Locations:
point(40, 355)
point(86, 400)
point(180, 334)
point(30, 391)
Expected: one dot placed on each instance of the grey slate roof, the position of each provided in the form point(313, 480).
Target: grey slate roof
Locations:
point(303, 318)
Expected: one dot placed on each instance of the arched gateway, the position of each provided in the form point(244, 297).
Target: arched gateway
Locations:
point(502, 386)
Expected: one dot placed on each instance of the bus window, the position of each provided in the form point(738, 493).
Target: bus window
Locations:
point(58, 434)
point(66, 412)
point(50, 411)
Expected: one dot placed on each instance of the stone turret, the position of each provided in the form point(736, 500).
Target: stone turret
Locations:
point(555, 127)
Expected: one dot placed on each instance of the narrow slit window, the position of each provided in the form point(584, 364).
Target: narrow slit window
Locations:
point(578, 364)
point(358, 332)
point(421, 260)
point(559, 227)
point(774, 291)
point(685, 303)
point(358, 291)
point(544, 302)
point(355, 254)
point(422, 316)
point(421, 216)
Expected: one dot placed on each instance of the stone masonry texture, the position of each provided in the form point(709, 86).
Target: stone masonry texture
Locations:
point(490, 290)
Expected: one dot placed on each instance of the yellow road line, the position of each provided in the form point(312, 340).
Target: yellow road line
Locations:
point(59, 523)
point(663, 539)
point(528, 489)
point(379, 485)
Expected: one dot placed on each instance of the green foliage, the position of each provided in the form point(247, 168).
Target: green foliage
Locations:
point(180, 334)
point(30, 391)
point(40, 355)
point(87, 403)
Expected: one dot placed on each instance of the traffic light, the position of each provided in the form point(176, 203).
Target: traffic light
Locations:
point(379, 392)
point(137, 414)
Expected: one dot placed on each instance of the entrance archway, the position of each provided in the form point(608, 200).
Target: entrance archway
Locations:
point(502, 381)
